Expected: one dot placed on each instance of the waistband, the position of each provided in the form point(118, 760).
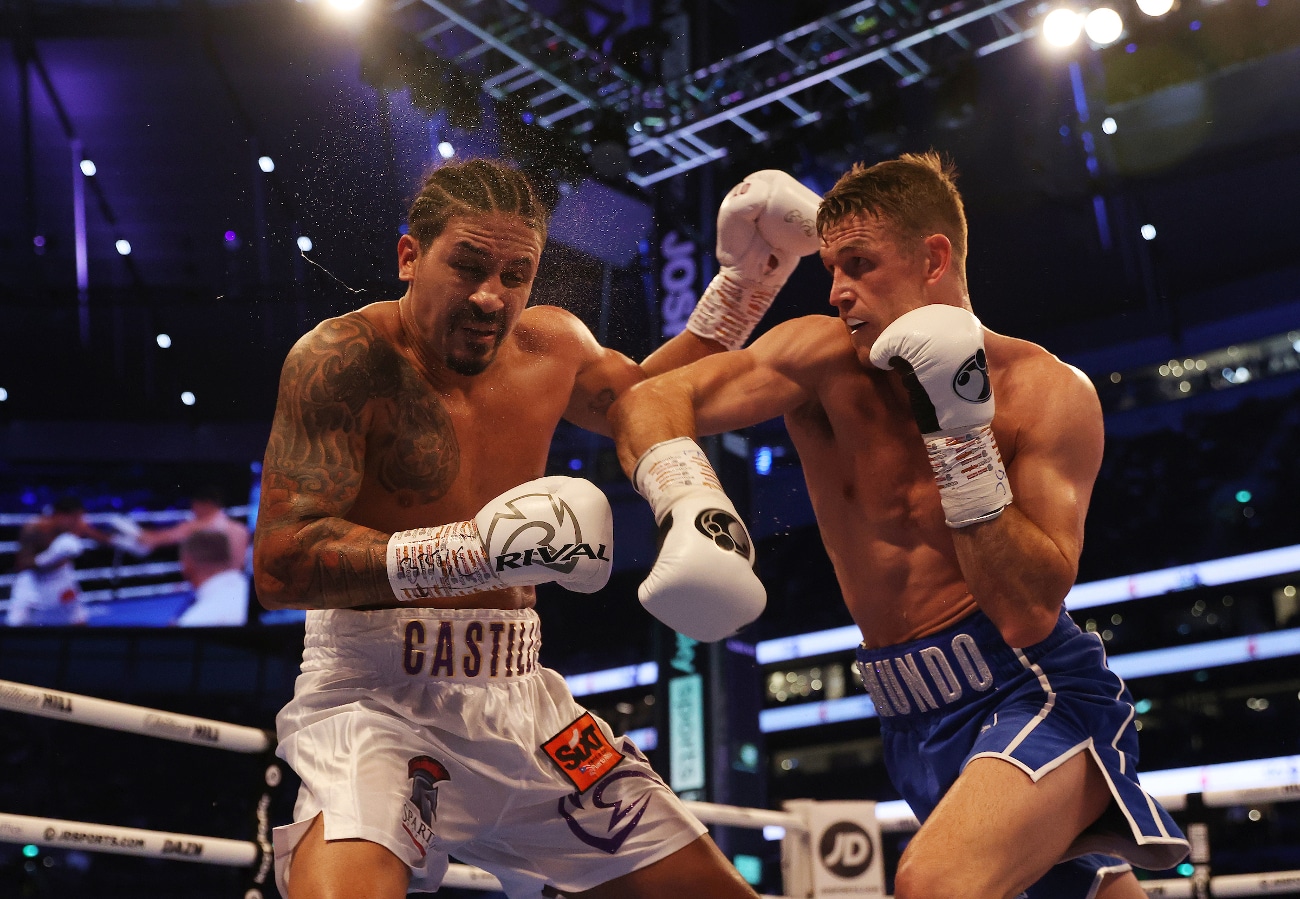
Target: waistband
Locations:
point(951, 668)
point(471, 646)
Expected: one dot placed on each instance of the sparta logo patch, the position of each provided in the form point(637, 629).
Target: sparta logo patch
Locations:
point(421, 809)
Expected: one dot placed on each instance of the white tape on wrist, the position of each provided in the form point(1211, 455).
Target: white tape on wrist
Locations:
point(967, 466)
point(667, 469)
point(730, 308)
point(448, 560)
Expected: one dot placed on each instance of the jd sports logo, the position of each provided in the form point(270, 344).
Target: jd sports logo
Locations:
point(971, 382)
point(846, 849)
point(724, 530)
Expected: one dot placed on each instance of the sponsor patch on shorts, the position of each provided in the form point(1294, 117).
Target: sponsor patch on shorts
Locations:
point(582, 752)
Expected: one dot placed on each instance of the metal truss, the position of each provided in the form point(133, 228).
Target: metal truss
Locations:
point(521, 54)
point(785, 83)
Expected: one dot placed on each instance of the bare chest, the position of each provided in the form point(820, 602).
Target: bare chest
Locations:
point(433, 456)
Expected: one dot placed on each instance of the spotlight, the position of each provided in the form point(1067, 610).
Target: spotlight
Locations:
point(1104, 26)
point(1062, 27)
point(1109, 125)
point(188, 398)
point(446, 150)
point(164, 341)
point(4, 395)
point(304, 243)
point(88, 168)
point(1155, 8)
point(1148, 232)
point(124, 247)
point(266, 164)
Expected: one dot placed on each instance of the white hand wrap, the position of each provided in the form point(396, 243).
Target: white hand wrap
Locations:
point(765, 224)
point(972, 480)
point(448, 560)
point(549, 529)
point(703, 583)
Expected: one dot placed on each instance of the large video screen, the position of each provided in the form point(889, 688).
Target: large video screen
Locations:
point(94, 558)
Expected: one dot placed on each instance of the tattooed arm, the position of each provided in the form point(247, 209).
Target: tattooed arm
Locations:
point(305, 554)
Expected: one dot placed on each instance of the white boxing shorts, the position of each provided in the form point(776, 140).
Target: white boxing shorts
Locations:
point(436, 733)
point(49, 598)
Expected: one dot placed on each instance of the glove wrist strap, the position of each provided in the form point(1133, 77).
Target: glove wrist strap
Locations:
point(730, 308)
point(447, 560)
point(967, 466)
point(668, 469)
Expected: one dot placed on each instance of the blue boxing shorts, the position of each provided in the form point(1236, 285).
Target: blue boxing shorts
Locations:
point(964, 694)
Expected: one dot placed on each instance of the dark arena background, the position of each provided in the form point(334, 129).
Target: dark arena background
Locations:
point(187, 186)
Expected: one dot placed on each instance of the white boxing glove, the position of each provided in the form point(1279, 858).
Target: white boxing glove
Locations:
point(703, 583)
point(939, 351)
point(553, 529)
point(62, 548)
point(765, 224)
point(127, 535)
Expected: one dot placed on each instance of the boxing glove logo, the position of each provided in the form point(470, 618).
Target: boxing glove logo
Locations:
point(546, 532)
point(971, 382)
point(724, 530)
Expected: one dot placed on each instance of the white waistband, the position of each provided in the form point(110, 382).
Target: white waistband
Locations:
point(475, 646)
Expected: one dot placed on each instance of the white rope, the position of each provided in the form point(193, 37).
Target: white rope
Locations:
point(126, 841)
point(131, 718)
point(1251, 795)
point(736, 816)
point(1228, 885)
point(894, 817)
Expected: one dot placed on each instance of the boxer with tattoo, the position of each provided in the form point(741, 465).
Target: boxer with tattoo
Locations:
point(403, 505)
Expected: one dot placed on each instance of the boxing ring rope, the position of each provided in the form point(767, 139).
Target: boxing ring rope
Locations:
point(893, 817)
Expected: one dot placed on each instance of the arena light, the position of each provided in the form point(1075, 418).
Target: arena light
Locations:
point(446, 150)
point(1109, 125)
point(266, 164)
point(164, 341)
point(1148, 232)
point(1103, 26)
point(1062, 27)
point(88, 168)
point(123, 247)
point(188, 398)
point(1155, 8)
point(4, 395)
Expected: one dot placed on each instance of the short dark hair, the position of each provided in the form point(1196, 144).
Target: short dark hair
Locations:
point(207, 548)
point(473, 187)
point(915, 193)
point(68, 504)
point(209, 493)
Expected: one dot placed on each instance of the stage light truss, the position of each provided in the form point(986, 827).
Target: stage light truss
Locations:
point(790, 81)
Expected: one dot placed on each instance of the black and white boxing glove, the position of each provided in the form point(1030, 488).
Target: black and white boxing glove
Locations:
point(703, 583)
point(63, 548)
point(939, 351)
point(553, 529)
point(765, 224)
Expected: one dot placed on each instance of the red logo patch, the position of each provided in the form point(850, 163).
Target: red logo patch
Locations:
point(582, 752)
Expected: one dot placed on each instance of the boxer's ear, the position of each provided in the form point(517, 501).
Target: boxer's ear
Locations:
point(408, 253)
